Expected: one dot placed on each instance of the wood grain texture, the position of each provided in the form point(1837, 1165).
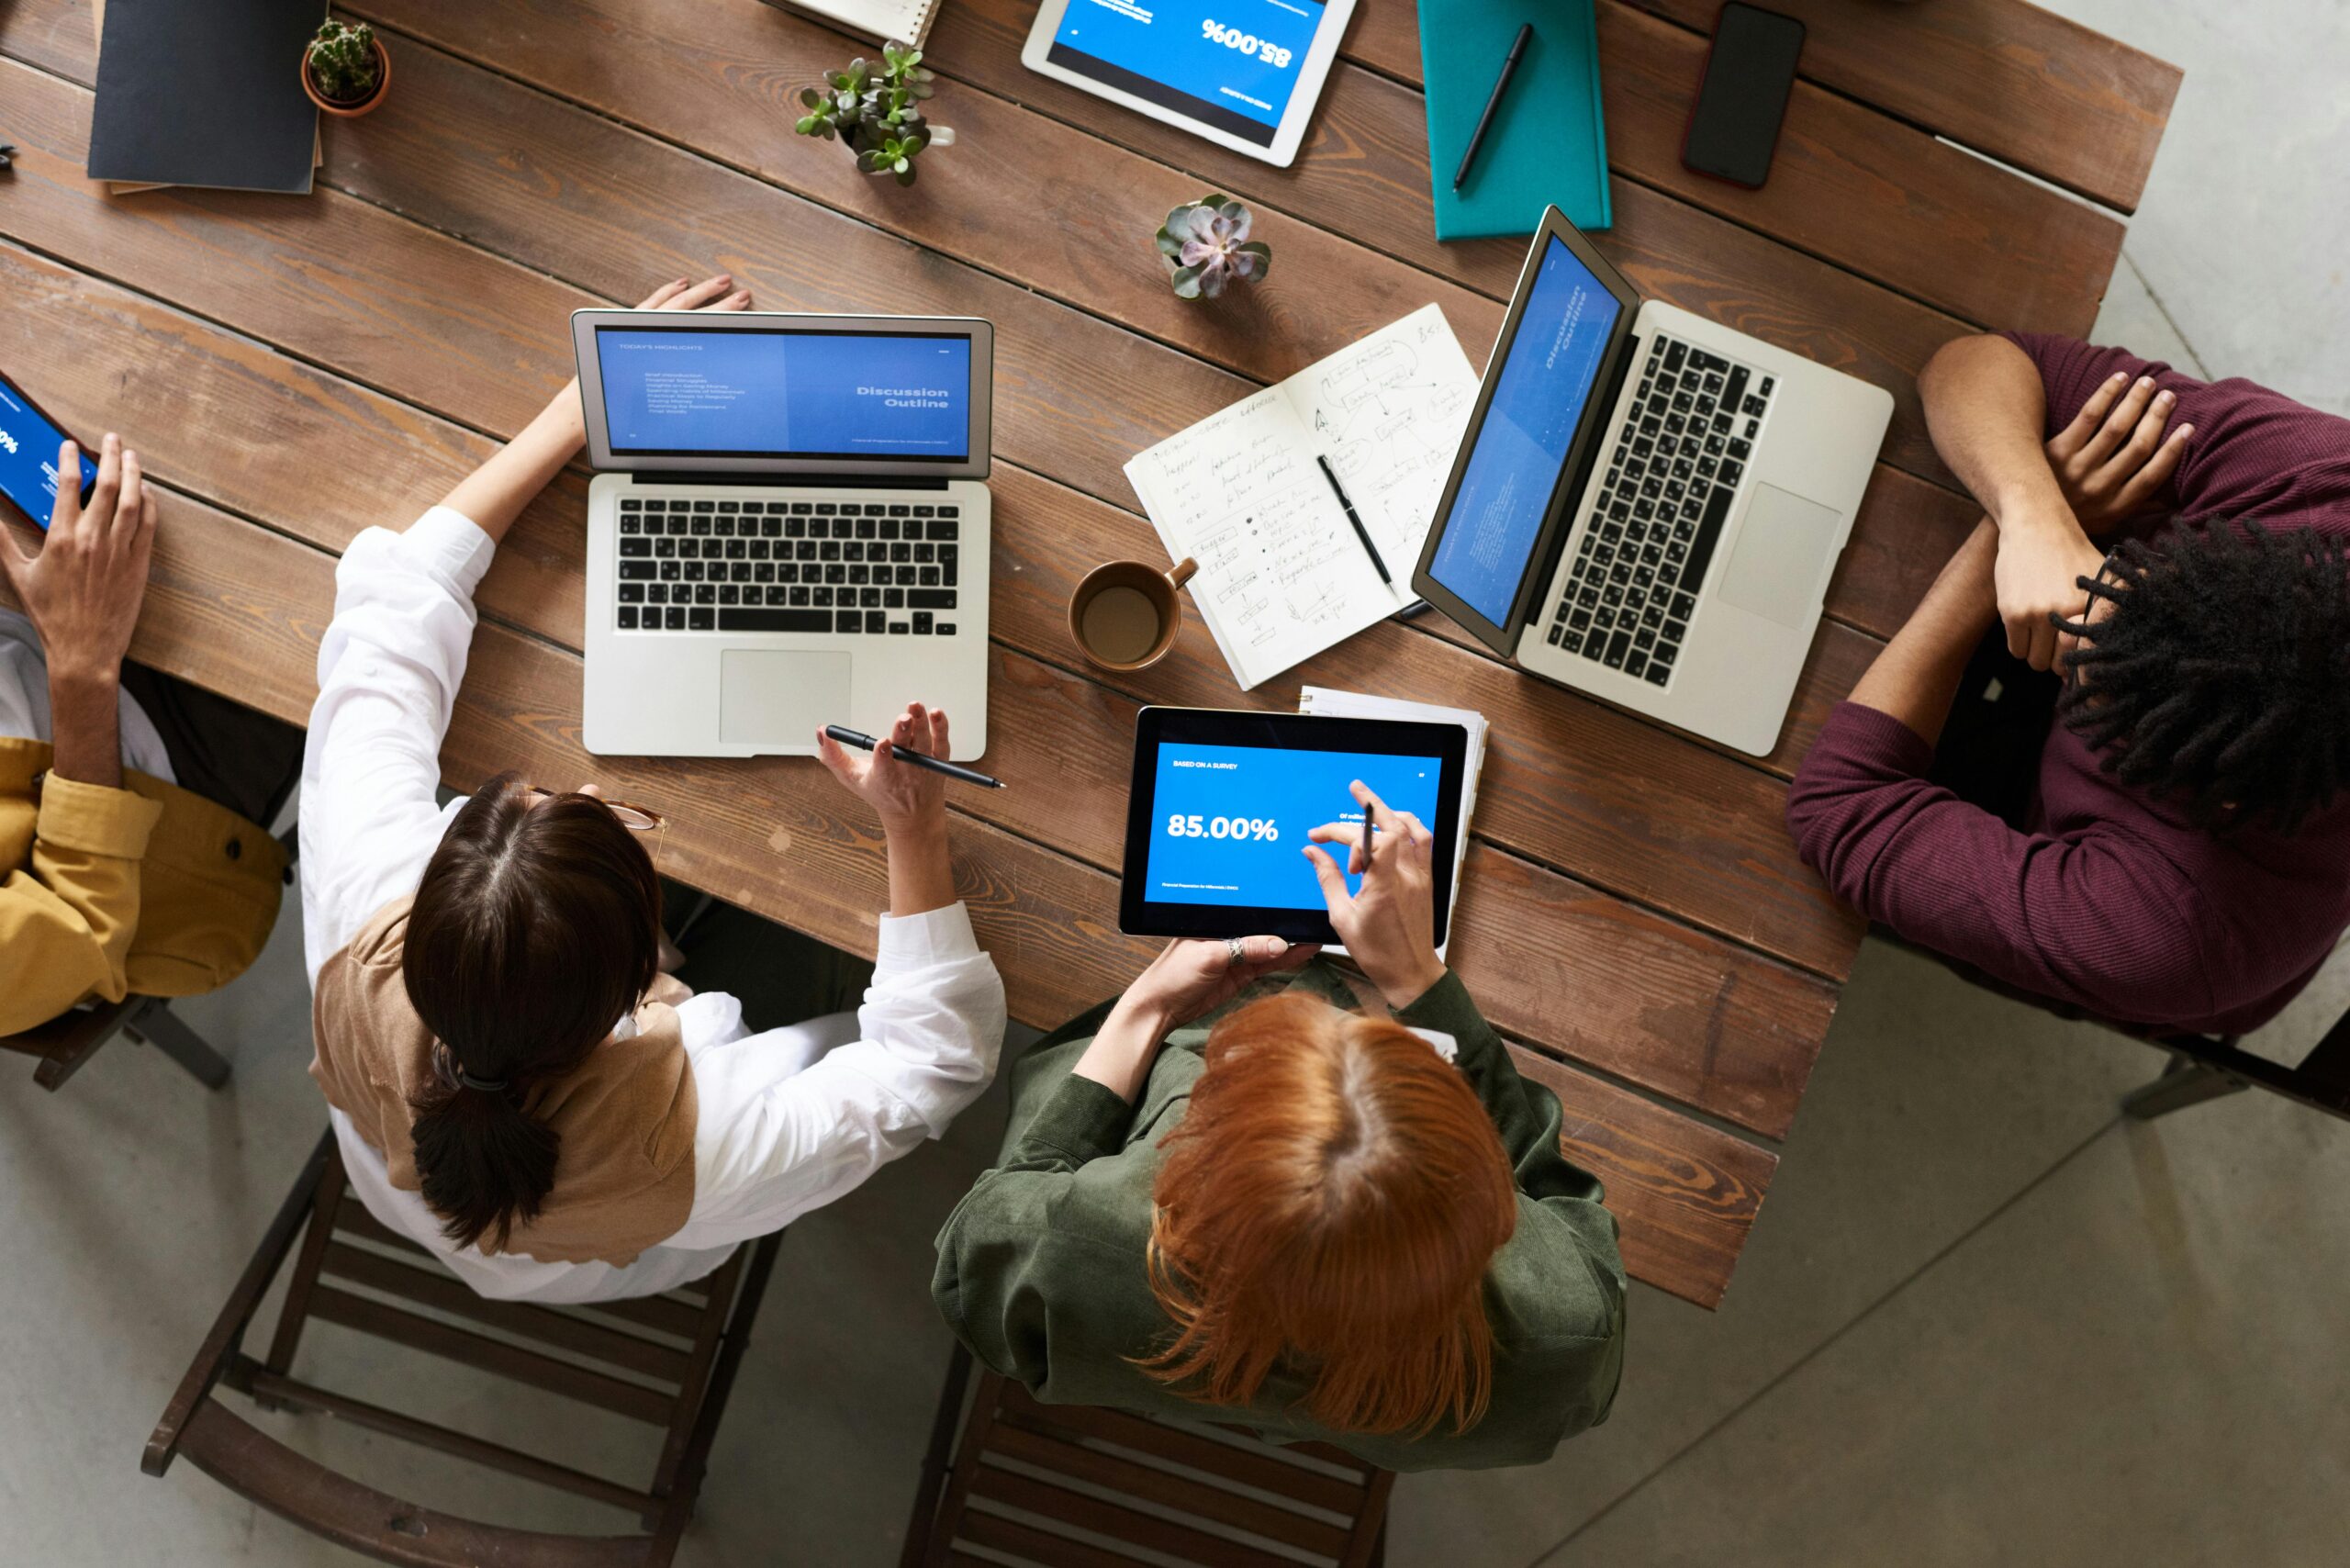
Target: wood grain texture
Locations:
point(1764, 1022)
point(1848, 182)
point(1364, 170)
point(2027, 87)
point(1582, 803)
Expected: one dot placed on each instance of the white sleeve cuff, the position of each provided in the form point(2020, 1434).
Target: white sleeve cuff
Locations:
point(452, 546)
point(919, 941)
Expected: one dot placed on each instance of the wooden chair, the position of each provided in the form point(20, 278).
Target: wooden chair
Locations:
point(1072, 1486)
point(64, 1043)
point(667, 1361)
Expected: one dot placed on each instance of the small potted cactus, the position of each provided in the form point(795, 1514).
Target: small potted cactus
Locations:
point(876, 113)
point(345, 70)
point(1205, 245)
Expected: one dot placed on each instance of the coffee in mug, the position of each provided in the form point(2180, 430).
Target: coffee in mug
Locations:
point(1126, 614)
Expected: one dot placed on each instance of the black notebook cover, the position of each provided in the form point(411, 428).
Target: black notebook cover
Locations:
point(205, 93)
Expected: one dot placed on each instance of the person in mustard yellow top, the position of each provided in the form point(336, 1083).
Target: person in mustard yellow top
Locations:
point(129, 803)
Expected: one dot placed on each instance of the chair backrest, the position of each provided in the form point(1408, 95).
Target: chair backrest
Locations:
point(1071, 1486)
point(667, 1361)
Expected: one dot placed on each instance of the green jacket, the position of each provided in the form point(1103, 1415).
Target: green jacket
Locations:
point(1041, 1267)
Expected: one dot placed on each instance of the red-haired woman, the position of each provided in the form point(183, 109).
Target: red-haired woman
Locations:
point(1323, 1222)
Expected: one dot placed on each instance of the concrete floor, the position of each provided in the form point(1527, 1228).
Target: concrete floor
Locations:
point(1981, 1320)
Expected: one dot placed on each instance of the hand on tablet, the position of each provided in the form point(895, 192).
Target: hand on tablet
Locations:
point(1389, 925)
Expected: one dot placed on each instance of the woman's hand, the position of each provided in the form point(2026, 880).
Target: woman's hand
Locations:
point(711, 294)
point(83, 589)
point(1185, 980)
point(1389, 927)
point(905, 797)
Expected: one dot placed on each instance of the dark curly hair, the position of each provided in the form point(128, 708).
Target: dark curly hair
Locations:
point(2222, 678)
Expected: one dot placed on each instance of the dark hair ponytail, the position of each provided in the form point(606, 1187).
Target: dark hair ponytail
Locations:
point(533, 931)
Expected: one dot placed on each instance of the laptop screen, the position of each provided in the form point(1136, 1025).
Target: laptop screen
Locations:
point(798, 393)
point(1547, 371)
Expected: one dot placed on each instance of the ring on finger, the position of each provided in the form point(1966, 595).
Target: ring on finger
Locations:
point(1235, 952)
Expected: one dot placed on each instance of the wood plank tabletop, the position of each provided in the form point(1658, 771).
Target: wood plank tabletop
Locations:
point(1633, 915)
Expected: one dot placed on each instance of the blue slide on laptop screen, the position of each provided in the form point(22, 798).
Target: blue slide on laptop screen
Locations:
point(29, 443)
point(786, 394)
point(1230, 819)
point(1547, 376)
point(1232, 64)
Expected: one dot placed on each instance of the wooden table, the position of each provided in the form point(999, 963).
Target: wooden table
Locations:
point(1634, 914)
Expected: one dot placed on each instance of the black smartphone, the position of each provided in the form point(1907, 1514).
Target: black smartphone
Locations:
point(29, 443)
point(1743, 97)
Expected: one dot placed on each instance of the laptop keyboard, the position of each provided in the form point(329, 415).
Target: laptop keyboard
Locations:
point(1670, 482)
point(875, 568)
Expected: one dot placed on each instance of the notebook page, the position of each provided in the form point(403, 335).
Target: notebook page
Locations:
point(1388, 413)
point(1282, 574)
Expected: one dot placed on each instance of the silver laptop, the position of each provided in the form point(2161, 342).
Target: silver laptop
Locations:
point(1647, 507)
point(787, 529)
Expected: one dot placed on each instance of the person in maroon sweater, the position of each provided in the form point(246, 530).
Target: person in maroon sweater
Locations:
point(2175, 551)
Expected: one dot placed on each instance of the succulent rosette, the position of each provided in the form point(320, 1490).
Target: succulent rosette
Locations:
point(1205, 245)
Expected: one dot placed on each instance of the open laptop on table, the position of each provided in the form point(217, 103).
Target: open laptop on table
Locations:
point(1647, 507)
point(787, 529)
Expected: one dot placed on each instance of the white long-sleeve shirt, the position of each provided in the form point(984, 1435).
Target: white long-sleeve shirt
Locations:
point(789, 1120)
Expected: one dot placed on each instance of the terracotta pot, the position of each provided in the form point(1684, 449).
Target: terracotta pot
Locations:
point(352, 111)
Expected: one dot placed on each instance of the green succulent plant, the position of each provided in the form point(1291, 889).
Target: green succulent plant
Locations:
point(1205, 245)
point(877, 115)
point(343, 60)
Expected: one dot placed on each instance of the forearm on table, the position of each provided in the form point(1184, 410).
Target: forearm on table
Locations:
point(1917, 677)
point(1986, 409)
point(85, 725)
point(922, 869)
point(494, 495)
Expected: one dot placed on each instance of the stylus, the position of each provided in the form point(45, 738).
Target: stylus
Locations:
point(1501, 85)
point(1360, 532)
point(867, 743)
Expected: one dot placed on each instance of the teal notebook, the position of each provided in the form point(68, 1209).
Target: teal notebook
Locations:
point(1547, 144)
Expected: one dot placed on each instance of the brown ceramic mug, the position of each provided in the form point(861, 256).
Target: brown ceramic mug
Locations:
point(1126, 614)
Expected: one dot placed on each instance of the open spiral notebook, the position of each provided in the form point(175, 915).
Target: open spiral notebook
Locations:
point(884, 21)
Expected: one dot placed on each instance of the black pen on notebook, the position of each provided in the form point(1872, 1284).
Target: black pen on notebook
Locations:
point(867, 743)
point(1360, 532)
point(1485, 120)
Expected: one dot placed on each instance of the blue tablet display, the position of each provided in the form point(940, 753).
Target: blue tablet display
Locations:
point(786, 394)
point(1232, 64)
point(29, 443)
point(1228, 822)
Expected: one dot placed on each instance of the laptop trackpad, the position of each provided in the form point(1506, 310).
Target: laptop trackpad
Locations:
point(1780, 551)
point(779, 698)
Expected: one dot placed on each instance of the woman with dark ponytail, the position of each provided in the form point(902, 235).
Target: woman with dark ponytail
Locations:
point(513, 1080)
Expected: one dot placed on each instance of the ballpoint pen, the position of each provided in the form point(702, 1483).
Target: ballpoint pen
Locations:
point(867, 743)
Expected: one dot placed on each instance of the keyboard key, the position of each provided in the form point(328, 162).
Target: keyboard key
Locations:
point(847, 620)
point(893, 599)
point(930, 599)
point(1709, 533)
point(633, 593)
point(801, 509)
point(674, 619)
point(1635, 662)
point(820, 596)
point(823, 508)
point(1658, 674)
point(730, 594)
point(633, 504)
point(945, 629)
point(1618, 648)
point(1675, 633)
point(778, 596)
point(890, 527)
point(801, 594)
point(900, 628)
point(628, 617)
point(922, 623)
point(925, 511)
point(876, 623)
point(874, 510)
point(770, 528)
point(1675, 355)
point(894, 512)
point(867, 528)
point(941, 528)
point(868, 599)
point(950, 511)
point(634, 548)
point(637, 571)
point(700, 619)
point(769, 620)
point(1557, 635)
point(706, 594)
point(705, 506)
point(1731, 473)
point(655, 593)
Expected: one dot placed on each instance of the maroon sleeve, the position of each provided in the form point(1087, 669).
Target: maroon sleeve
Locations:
point(2253, 453)
point(2073, 917)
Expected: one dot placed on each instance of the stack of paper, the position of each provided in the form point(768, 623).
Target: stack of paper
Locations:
point(1322, 700)
point(1283, 573)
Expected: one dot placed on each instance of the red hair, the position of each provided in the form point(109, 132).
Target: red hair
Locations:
point(1328, 1206)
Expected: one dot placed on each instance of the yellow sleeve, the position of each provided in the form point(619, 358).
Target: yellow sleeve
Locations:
point(67, 916)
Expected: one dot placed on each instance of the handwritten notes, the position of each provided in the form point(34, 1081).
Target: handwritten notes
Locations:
point(1283, 575)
